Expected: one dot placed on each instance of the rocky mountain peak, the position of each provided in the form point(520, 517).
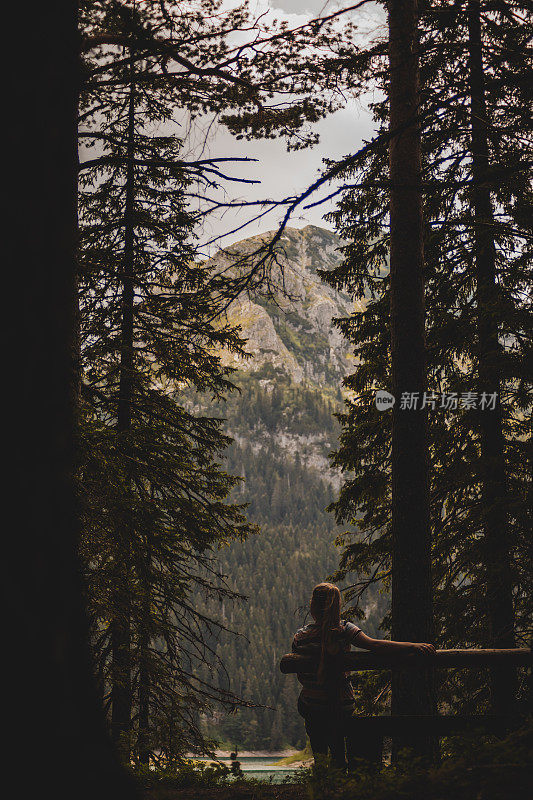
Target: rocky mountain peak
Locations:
point(292, 327)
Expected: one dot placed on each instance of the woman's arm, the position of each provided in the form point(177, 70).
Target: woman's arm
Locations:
point(385, 646)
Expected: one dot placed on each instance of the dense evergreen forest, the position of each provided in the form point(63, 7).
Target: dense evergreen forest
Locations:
point(277, 568)
point(175, 409)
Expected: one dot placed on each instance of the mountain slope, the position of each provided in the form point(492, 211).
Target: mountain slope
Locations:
point(283, 428)
point(293, 331)
point(298, 356)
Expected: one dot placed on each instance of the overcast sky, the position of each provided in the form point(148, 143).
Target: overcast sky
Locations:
point(282, 174)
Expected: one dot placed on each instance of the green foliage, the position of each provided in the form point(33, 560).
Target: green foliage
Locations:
point(472, 767)
point(267, 401)
point(184, 775)
point(277, 569)
point(364, 451)
point(193, 783)
point(298, 757)
point(190, 51)
point(154, 498)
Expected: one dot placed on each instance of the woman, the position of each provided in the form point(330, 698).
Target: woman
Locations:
point(327, 701)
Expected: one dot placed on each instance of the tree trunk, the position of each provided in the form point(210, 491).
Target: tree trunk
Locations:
point(144, 702)
point(57, 722)
point(143, 744)
point(412, 693)
point(492, 463)
point(121, 691)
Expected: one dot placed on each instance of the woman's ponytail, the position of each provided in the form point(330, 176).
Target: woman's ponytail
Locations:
point(326, 609)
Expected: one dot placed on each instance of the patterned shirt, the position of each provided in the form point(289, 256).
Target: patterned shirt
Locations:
point(307, 642)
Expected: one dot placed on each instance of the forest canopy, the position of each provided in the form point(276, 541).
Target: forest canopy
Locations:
point(162, 476)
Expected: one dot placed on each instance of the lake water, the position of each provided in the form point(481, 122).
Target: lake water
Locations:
point(260, 768)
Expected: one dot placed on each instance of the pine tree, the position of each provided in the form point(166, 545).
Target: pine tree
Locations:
point(454, 309)
point(495, 514)
point(51, 686)
point(154, 494)
point(412, 613)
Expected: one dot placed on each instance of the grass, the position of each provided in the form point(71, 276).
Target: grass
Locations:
point(472, 769)
point(296, 758)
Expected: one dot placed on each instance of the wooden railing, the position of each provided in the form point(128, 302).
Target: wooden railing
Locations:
point(356, 661)
point(436, 725)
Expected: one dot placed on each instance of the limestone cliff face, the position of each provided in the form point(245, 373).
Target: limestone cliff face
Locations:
point(294, 332)
point(263, 341)
point(293, 342)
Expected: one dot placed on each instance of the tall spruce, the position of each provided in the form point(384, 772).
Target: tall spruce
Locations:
point(56, 713)
point(121, 696)
point(495, 499)
point(153, 492)
point(462, 556)
point(154, 495)
point(412, 618)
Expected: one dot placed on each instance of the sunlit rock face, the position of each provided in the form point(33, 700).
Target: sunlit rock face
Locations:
point(292, 328)
point(263, 341)
point(297, 355)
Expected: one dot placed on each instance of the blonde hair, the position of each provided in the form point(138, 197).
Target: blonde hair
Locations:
point(326, 609)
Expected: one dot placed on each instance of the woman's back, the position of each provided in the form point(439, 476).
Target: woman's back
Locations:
point(326, 701)
point(333, 689)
